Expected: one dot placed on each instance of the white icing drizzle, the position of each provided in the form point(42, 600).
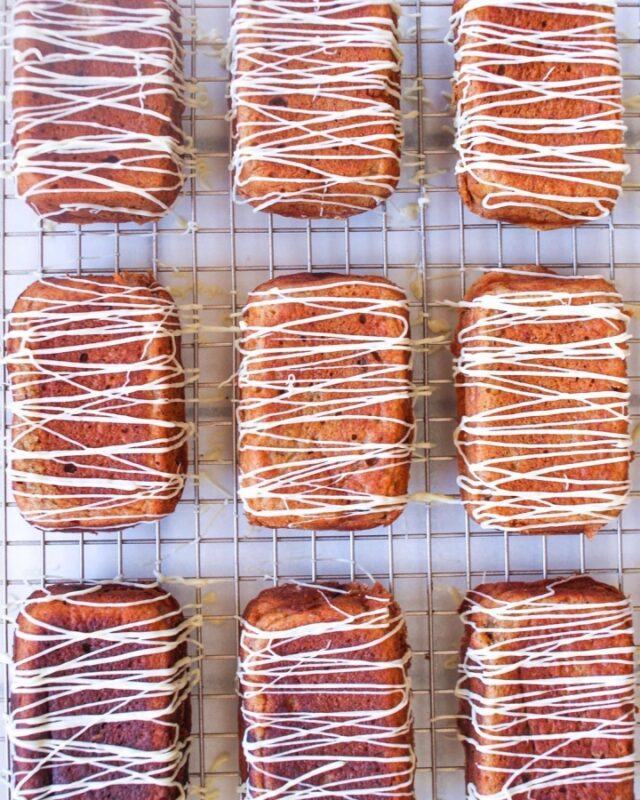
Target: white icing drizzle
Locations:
point(579, 420)
point(308, 477)
point(593, 109)
point(64, 734)
point(558, 708)
point(48, 356)
point(76, 146)
point(282, 50)
point(329, 741)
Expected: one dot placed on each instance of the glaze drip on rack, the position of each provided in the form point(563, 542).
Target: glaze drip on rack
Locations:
point(70, 361)
point(301, 373)
point(305, 113)
point(281, 666)
point(494, 142)
point(547, 421)
point(548, 665)
point(134, 674)
point(72, 63)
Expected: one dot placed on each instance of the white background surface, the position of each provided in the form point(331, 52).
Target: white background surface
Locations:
point(431, 555)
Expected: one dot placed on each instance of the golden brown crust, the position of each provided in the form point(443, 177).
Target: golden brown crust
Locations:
point(140, 609)
point(163, 119)
point(254, 179)
point(391, 418)
point(487, 770)
point(475, 190)
point(291, 606)
point(48, 504)
point(477, 396)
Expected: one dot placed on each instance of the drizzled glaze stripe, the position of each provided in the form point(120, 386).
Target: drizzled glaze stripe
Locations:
point(578, 147)
point(311, 478)
point(530, 656)
point(282, 667)
point(132, 693)
point(61, 130)
point(573, 429)
point(304, 114)
point(69, 358)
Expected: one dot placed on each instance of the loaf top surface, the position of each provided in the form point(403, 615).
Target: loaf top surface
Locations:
point(543, 401)
point(101, 675)
point(325, 419)
point(93, 610)
point(97, 103)
point(325, 693)
point(98, 430)
point(315, 97)
point(297, 605)
point(547, 690)
point(539, 130)
point(545, 595)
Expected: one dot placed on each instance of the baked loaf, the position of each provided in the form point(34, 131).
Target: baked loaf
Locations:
point(315, 98)
point(325, 699)
point(100, 706)
point(98, 433)
point(325, 415)
point(97, 106)
point(547, 691)
point(539, 129)
point(543, 399)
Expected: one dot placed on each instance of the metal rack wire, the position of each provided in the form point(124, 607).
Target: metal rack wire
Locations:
point(427, 243)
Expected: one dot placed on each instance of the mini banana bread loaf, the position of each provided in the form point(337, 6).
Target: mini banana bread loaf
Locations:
point(539, 130)
point(547, 691)
point(543, 400)
point(97, 105)
point(100, 706)
point(325, 699)
point(325, 415)
point(315, 98)
point(98, 438)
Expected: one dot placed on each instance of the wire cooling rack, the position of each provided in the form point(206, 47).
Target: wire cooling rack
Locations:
point(210, 254)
